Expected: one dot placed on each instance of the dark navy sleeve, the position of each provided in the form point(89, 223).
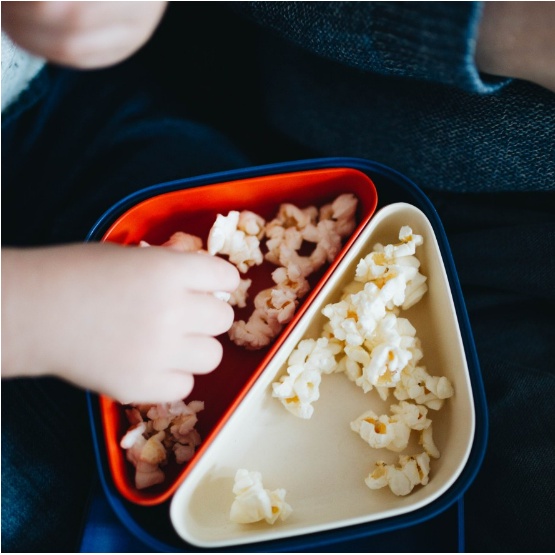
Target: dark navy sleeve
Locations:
point(430, 41)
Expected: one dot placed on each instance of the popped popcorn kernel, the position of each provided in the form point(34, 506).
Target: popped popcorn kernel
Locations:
point(155, 432)
point(318, 354)
point(184, 242)
point(417, 384)
point(395, 270)
point(251, 223)
point(277, 304)
point(255, 333)
point(239, 296)
point(227, 237)
point(414, 416)
point(427, 442)
point(154, 451)
point(382, 431)
point(411, 471)
point(284, 237)
point(291, 216)
point(342, 211)
point(392, 431)
point(328, 242)
point(254, 503)
point(299, 387)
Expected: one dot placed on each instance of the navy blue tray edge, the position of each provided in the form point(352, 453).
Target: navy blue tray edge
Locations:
point(455, 493)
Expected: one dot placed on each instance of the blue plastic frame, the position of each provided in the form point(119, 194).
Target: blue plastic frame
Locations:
point(392, 186)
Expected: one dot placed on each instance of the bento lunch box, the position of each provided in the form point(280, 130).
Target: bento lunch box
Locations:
point(320, 461)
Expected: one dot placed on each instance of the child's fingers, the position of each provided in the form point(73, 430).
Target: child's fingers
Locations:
point(171, 386)
point(207, 315)
point(203, 272)
point(199, 354)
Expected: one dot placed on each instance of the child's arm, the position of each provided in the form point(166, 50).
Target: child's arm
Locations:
point(132, 323)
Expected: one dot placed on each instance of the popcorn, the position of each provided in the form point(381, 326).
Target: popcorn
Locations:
point(253, 503)
point(325, 228)
point(411, 471)
point(239, 296)
point(353, 362)
point(381, 431)
point(184, 452)
point(223, 233)
point(156, 431)
point(180, 241)
point(231, 235)
point(255, 333)
point(395, 270)
point(251, 223)
point(147, 475)
point(299, 388)
point(365, 338)
point(184, 242)
point(415, 383)
point(392, 348)
point(278, 238)
point(393, 432)
point(287, 256)
point(354, 318)
point(379, 346)
point(223, 296)
point(133, 434)
point(327, 239)
point(318, 354)
point(342, 211)
point(380, 356)
point(284, 235)
point(290, 216)
point(427, 442)
point(278, 303)
point(291, 278)
point(414, 416)
point(153, 451)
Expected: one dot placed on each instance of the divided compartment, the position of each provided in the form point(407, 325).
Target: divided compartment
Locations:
point(321, 462)
point(194, 211)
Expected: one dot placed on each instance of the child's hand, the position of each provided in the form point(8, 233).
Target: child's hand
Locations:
point(132, 323)
point(81, 34)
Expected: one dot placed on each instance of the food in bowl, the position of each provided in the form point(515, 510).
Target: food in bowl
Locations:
point(365, 339)
point(154, 215)
point(240, 236)
point(253, 502)
point(302, 454)
point(159, 431)
point(156, 433)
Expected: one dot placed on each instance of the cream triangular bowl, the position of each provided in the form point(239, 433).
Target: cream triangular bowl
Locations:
point(321, 462)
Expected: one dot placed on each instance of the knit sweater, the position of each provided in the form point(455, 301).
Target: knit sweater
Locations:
point(396, 82)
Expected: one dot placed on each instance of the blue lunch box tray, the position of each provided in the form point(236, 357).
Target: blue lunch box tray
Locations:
point(152, 526)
